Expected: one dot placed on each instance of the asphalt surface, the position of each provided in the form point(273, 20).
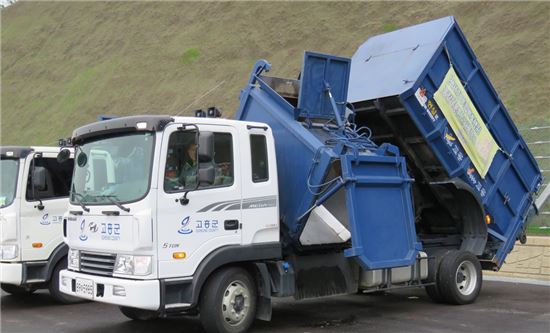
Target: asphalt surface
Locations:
point(501, 307)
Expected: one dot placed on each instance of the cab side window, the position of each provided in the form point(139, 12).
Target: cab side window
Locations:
point(183, 162)
point(57, 179)
point(258, 150)
point(223, 159)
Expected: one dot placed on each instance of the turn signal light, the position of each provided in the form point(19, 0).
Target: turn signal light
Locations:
point(37, 245)
point(179, 255)
point(488, 219)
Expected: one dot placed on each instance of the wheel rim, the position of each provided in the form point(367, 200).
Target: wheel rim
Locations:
point(466, 278)
point(235, 303)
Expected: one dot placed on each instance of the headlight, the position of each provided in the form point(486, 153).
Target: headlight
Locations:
point(9, 251)
point(132, 265)
point(73, 259)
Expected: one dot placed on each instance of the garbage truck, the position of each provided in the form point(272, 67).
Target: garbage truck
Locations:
point(399, 167)
point(34, 194)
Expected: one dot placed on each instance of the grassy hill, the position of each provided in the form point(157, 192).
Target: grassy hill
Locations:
point(63, 64)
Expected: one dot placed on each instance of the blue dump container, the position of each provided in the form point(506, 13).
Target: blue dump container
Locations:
point(406, 147)
point(333, 181)
point(423, 89)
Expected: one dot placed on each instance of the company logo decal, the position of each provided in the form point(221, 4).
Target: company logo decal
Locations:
point(83, 236)
point(184, 228)
point(206, 226)
point(45, 220)
point(93, 227)
point(110, 231)
point(449, 137)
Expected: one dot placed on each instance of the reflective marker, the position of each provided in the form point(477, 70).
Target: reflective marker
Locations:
point(179, 255)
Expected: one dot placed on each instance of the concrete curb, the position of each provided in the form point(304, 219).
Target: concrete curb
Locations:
point(516, 280)
point(529, 261)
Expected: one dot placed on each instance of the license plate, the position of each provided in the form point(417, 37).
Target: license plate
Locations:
point(85, 288)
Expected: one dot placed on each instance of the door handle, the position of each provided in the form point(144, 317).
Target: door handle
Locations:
point(231, 224)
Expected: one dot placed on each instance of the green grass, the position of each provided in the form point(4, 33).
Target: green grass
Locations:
point(389, 27)
point(511, 104)
point(189, 56)
point(538, 231)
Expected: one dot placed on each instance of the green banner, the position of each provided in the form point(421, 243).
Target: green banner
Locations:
point(465, 121)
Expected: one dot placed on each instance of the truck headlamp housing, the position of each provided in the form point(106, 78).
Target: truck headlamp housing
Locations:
point(9, 251)
point(73, 259)
point(132, 265)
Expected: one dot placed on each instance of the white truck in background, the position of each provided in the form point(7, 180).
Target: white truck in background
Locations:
point(33, 197)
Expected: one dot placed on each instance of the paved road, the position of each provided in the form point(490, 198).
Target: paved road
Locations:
point(502, 307)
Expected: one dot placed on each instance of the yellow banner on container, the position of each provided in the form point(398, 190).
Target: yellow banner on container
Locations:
point(465, 121)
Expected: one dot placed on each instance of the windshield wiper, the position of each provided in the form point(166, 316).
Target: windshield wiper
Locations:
point(113, 201)
point(76, 195)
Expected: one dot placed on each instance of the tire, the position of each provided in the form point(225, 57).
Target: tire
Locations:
point(433, 270)
point(138, 314)
point(459, 278)
point(54, 285)
point(228, 301)
point(17, 290)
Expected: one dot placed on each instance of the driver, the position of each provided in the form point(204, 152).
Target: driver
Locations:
point(188, 174)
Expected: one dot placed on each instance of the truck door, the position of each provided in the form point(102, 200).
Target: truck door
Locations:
point(210, 218)
point(42, 230)
point(260, 201)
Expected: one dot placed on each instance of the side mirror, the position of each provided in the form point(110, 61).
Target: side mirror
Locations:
point(63, 156)
point(206, 146)
point(207, 173)
point(39, 178)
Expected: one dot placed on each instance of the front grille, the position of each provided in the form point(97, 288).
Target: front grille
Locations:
point(97, 263)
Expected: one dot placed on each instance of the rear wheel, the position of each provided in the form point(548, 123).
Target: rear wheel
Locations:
point(459, 278)
point(139, 314)
point(54, 285)
point(433, 271)
point(228, 301)
point(17, 290)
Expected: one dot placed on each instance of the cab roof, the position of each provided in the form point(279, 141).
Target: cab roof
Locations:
point(152, 123)
point(24, 151)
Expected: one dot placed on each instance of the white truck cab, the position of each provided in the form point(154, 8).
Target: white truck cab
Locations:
point(160, 203)
point(34, 197)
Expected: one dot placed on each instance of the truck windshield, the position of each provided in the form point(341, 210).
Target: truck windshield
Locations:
point(115, 168)
point(8, 168)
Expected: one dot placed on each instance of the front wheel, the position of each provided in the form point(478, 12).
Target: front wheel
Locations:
point(460, 278)
point(228, 301)
point(138, 314)
point(17, 290)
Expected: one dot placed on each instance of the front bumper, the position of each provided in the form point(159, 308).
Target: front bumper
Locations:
point(11, 273)
point(141, 294)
